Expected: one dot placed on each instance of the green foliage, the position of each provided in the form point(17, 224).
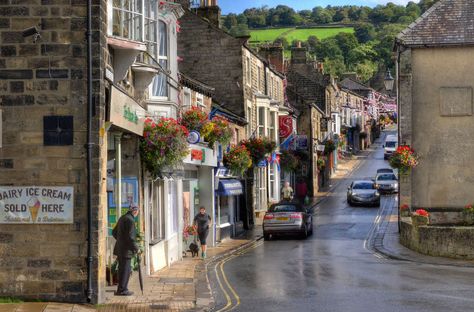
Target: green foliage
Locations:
point(364, 32)
point(366, 70)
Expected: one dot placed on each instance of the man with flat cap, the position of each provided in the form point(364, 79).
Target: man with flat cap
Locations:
point(125, 247)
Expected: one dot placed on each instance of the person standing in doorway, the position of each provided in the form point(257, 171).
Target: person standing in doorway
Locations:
point(126, 246)
point(202, 222)
point(301, 190)
point(287, 192)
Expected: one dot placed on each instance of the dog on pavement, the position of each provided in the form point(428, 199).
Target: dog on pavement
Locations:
point(194, 249)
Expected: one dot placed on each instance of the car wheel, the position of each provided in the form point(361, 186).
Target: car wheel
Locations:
point(349, 202)
point(304, 233)
point(266, 237)
point(377, 204)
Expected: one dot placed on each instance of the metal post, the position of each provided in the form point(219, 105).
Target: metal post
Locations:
point(118, 173)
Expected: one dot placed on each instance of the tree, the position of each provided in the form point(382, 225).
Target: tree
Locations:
point(335, 66)
point(313, 43)
point(341, 15)
point(321, 16)
point(347, 42)
point(426, 4)
point(366, 70)
point(282, 41)
point(230, 21)
point(328, 48)
point(364, 32)
point(240, 30)
point(362, 53)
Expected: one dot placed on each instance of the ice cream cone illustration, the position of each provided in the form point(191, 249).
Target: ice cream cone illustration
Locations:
point(34, 205)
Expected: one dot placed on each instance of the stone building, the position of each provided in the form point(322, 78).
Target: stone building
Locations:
point(44, 125)
point(435, 78)
point(244, 84)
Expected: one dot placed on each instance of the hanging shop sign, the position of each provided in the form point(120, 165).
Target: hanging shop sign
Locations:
point(125, 112)
point(194, 137)
point(200, 155)
point(323, 125)
point(36, 204)
point(286, 126)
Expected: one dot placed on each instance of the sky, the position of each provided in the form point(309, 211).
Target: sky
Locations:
point(237, 6)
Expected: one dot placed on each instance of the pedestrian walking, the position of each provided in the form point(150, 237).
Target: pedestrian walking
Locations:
point(301, 190)
point(287, 191)
point(125, 247)
point(202, 222)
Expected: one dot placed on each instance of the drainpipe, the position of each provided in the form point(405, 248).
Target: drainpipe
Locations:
point(88, 146)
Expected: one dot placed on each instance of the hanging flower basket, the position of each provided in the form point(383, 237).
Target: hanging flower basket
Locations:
point(194, 119)
point(321, 163)
point(217, 130)
point(289, 162)
point(163, 144)
point(238, 159)
point(404, 159)
point(420, 217)
point(468, 214)
point(329, 147)
point(259, 148)
point(404, 210)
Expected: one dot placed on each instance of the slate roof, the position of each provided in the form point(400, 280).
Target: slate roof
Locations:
point(446, 23)
point(352, 85)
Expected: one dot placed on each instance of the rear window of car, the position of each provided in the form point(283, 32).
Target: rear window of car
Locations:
point(286, 208)
point(386, 177)
point(363, 186)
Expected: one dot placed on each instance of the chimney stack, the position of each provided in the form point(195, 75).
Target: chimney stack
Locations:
point(209, 10)
point(274, 56)
point(299, 55)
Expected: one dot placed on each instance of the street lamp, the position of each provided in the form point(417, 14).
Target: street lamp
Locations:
point(388, 81)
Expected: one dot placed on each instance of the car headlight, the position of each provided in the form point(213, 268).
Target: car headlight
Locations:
point(377, 193)
point(395, 184)
point(354, 194)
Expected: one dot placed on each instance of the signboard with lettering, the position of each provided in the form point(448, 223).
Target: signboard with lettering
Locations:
point(125, 112)
point(200, 155)
point(286, 126)
point(36, 204)
point(301, 142)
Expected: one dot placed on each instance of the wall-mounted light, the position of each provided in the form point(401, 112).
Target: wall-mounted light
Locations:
point(31, 31)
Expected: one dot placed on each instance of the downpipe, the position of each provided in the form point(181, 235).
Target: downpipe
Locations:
point(89, 291)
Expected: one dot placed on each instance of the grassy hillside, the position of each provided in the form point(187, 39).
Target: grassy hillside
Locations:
point(263, 35)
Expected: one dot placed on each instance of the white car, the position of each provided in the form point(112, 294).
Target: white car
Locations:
point(390, 146)
point(386, 183)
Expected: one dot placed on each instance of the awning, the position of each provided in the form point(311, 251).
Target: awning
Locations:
point(230, 187)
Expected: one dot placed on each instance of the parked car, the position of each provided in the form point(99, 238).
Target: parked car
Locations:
point(363, 193)
point(287, 218)
point(385, 170)
point(386, 183)
point(390, 145)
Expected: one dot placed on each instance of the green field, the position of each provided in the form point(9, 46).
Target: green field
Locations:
point(265, 35)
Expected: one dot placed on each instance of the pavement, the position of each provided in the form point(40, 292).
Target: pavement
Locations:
point(184, 286)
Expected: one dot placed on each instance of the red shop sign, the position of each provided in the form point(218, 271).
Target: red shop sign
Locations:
point(196, 155)
point(286, 126)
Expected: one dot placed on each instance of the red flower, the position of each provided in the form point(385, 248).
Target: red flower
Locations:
point(404, 207)
point(422, 212)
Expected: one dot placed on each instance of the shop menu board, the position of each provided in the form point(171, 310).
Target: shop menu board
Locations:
point(129, 196)
point(36, 204)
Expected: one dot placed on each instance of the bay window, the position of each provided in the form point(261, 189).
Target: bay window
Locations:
point(160, 83)
point(127, 19)
point(261, 121)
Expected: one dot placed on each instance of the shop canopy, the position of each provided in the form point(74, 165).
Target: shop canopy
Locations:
point(230, 187)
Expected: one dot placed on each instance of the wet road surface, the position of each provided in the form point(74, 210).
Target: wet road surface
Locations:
point(334, 270)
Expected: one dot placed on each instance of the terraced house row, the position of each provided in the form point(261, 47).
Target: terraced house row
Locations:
point(143, 102)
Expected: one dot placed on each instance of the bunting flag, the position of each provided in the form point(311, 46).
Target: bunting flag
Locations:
point(287, 142)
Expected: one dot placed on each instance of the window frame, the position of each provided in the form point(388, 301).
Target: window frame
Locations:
point(138, 14)
point(160, 58)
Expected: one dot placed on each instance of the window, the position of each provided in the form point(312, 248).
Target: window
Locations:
point(173, 204)
point(151, 33)
point(271, 126)
point(187, 99)
point(249, 121)
point(127, 19)
point(249, 71)
point(272, 179)
point(57, 130)
point(160, 85)
point(236, 136)
point(157, 211)
point(261, 189)
point(200, 100)
point(261, 121)
point(259, 78)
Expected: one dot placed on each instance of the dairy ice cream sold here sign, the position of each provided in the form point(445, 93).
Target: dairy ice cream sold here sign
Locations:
point(36, 204)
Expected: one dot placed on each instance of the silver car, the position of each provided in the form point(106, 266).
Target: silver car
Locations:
point(386, 183)
point(287, 218)
point(363, 193)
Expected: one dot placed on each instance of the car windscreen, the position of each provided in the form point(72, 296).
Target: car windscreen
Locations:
point(286, 208)
point(391, 144)
point(385, 170)
point(363, 186)
point(386, 177)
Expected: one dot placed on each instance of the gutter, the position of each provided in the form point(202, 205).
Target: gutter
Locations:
point(88, 146)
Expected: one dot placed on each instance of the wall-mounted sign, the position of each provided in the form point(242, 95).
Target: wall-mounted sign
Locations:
point(194, 137)
point(301, 142)
point(36, 204)
point(286, 126)
point(125, 112)
point(201, 156)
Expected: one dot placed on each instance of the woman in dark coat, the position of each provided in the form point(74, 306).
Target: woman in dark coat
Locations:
point(202, 222)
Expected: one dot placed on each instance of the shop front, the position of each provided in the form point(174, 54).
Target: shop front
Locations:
point(125, 127)
point(230, 208)
point(198, 187)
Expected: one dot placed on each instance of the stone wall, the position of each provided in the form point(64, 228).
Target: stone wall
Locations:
point(214, 58)
point(453, 242)
point(43, 79)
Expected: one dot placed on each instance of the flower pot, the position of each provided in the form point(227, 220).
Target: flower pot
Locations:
point(404, 213)
point(468, 218)
point(419, 220)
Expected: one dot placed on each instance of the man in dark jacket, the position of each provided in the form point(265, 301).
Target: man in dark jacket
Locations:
point(125, 247)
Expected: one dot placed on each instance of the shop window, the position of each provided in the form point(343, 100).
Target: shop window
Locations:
point(160, 83)
point(127, 19)
point(224, 204)
point(261, 189)
point(272, 179)
point(157, 211)
point(58, 130)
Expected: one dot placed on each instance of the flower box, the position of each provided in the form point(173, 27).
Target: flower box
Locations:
point(420, 217)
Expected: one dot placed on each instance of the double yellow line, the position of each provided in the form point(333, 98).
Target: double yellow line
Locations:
point(232, 298)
